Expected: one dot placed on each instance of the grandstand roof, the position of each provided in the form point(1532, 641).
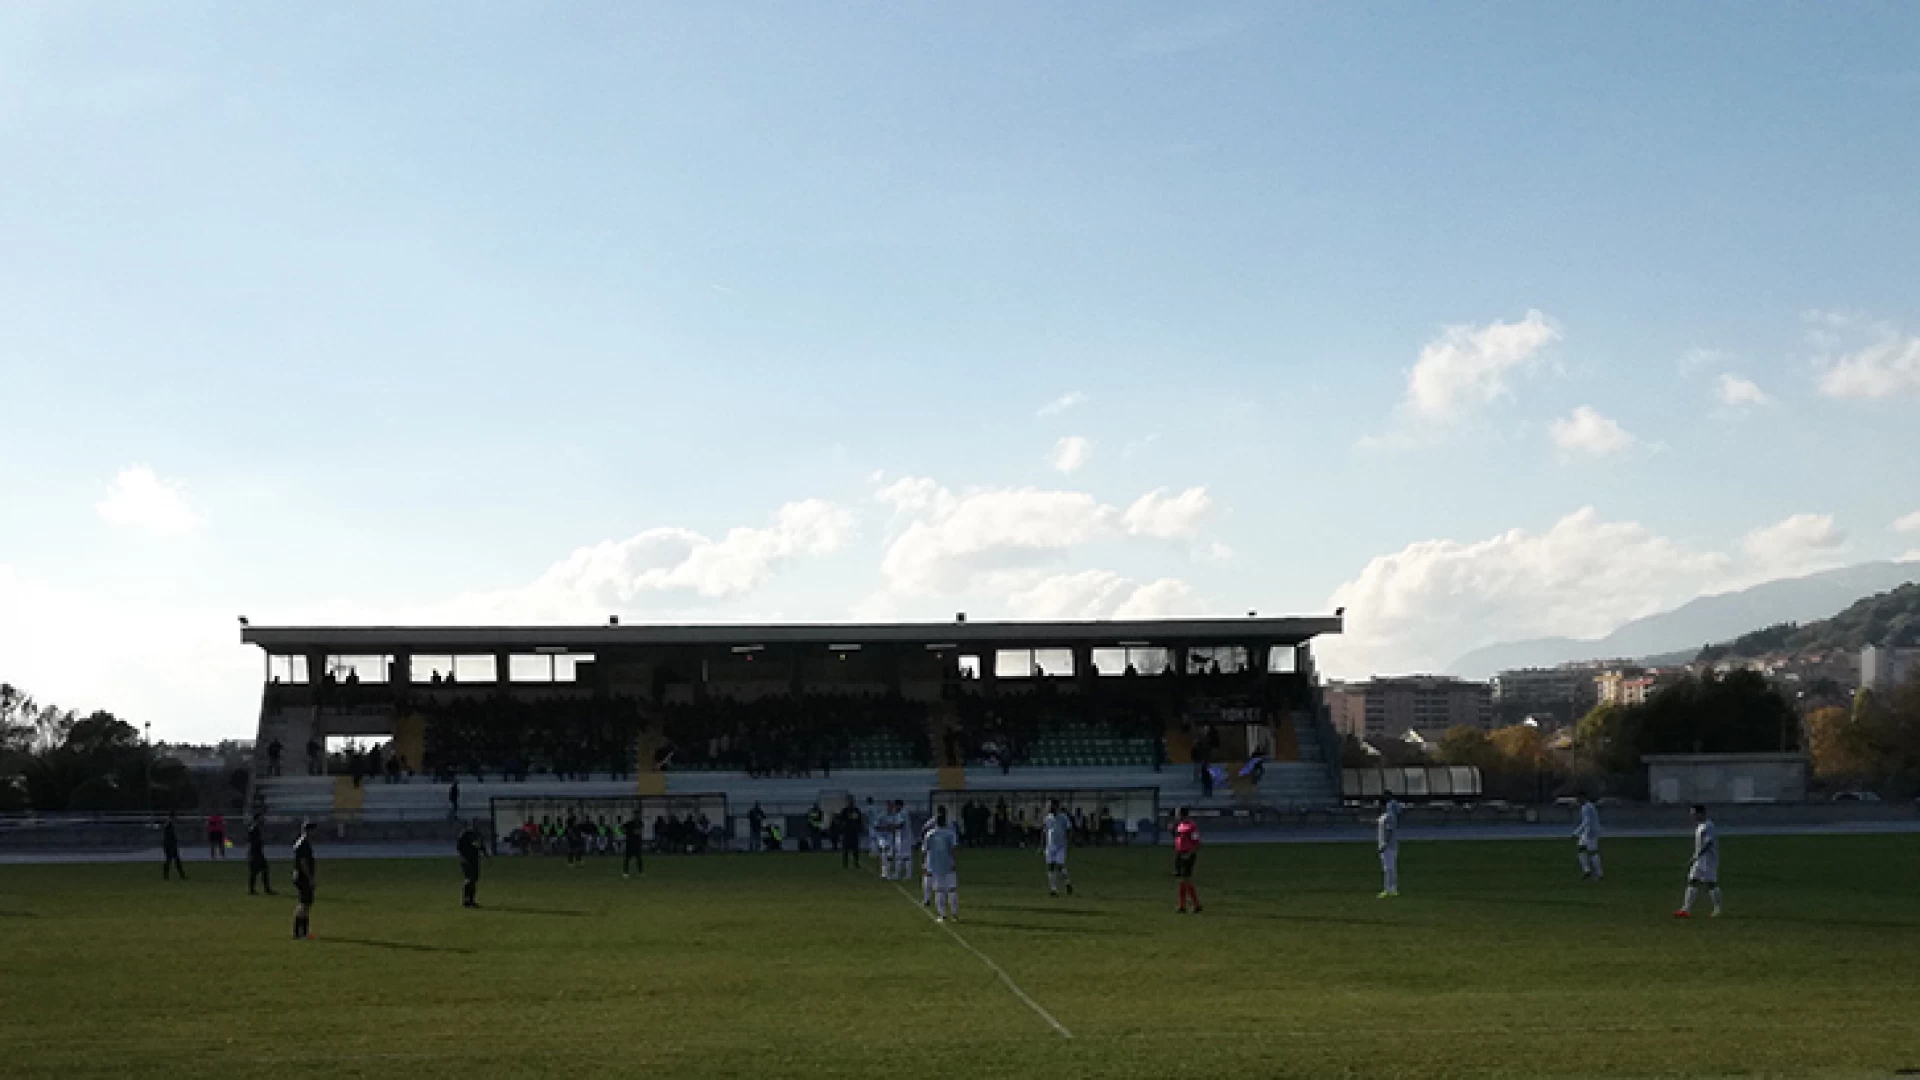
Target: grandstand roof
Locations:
point(1285, 631)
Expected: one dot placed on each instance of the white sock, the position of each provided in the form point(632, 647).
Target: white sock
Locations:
point(1053, 881)
point(1586, 863)
point(953, 903)
point(1687, 905)
point(1714, 894)
point(1393, 877)
point(1597, 872)
point(940, 904)
point(926, 889)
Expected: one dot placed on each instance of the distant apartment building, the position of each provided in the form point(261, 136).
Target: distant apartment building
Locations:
point(1883, 668)
point(1630, 685)
point(1556, 696)
point(1388, 708)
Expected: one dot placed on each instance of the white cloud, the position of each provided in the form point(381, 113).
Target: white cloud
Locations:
point(1859, 358)
point(1102, 594)
point(1736, 392)
point(1909, 523)
point(1425, 605)
point(664, 565)
point(1071, 452)
point(139, 499)
point(960, 539)
point(1469, 366)
point(1069, 400)
point(180, 668)
point(1089, 594)
point(1799, 543)
point(1005, 538)
point(1588, 432)
point(914, 495)
point(1169, 517)
point(1167, 598)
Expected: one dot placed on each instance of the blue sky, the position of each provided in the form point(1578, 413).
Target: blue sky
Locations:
point(1481, 321)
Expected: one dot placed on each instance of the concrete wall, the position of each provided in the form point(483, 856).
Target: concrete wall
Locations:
point(1726, 778)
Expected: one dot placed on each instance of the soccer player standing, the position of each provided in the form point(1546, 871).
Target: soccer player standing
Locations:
point(257, 856)
point(216, 837)
point(1054, 832)
point(941, 844)
point(885, 839)
point(1587, 836)
point(900, 838)
point(303, 882)
point(636, 835)
point(1388, 838)
point(852, 827)
point(1704, 870)
point(1186, 851)
point(170, 850)
point(470, 850)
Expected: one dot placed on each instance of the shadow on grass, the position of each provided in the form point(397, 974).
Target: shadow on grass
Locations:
point(1037, 910)
point(402, 946)
point(1519, 901)
point(1805, 920)
point(555, 912)
point(18, 915)
point(1030, 928)
point(1327, 920)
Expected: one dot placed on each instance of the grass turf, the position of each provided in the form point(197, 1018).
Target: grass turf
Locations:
point(1497, 960)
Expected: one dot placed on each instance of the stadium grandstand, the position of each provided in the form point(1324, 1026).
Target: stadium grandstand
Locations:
point(790, 717)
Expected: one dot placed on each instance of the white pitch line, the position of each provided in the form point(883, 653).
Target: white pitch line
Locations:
point(987, 960)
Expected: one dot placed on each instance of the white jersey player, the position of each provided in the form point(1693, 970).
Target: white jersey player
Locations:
point(902, 841)
point(1054, 830)
point(926, 875)
point(1388, 836)
point(942, 846)
point(886, 834)
point(1704, 870)
point(1586, 837)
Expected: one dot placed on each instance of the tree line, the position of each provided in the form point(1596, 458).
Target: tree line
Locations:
point(56, 759)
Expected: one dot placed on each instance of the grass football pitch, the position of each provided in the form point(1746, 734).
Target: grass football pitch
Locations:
point(1497, 960)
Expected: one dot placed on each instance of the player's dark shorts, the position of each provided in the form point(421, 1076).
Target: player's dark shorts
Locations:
point(1183, 863)
point(256, 862)
point(634, 850)
point(470, 869)
point(303, 887)
point(217, 839)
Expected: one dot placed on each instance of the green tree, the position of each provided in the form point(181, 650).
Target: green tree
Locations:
point(1838, 746)
point(1464, 745)
point(1739, 712)
point(1520, 749)
point(1606, 740)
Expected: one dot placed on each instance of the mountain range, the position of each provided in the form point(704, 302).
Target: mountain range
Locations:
point(1676, 636)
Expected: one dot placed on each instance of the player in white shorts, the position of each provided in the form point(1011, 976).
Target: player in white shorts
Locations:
point(926, 877)
point(1704, 870)
point(1054, 830)
point(1586, 836)
point(1388, 828)
point(884, 838)
point(898, 861)
point(942, 861)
